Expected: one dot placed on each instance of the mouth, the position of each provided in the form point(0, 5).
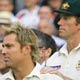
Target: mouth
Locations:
point(6, 59)
point(61, 29)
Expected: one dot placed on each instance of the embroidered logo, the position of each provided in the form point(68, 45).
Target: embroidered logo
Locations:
point(78, 65)
point(65, 6)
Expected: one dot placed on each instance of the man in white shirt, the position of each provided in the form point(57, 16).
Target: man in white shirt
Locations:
point(20, 50)
point(67, 59)
point(29, 15)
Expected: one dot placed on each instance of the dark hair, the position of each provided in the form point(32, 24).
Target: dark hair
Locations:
point(46, 41)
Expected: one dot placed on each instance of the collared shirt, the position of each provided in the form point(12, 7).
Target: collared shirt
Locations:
point(28, 18)
point(35, 75)
point(69, 62)
point(7, 76)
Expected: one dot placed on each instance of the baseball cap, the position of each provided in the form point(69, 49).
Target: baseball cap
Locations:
point(5, 17)
point(71, 7)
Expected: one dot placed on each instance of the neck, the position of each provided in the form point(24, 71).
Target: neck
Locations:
point(73, 42)
point(21, 71)
point(31, 8)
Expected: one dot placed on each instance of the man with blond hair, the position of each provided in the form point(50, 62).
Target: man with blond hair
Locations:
point(20, 50)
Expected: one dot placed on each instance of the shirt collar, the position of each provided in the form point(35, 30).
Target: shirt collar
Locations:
point(63, 51)
point(78, 47)
point(35, 72)
point(7, 76)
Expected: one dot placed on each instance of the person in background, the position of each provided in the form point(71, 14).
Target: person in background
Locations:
point(29, 15)
point(47, 47)
point(20, 50)
point(45, 12)
point(48, 28)
point(66, 62)
point(7, 5)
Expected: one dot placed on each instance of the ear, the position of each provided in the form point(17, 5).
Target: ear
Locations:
point(27, 49)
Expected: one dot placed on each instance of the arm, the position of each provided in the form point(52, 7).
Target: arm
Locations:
point(53, 71)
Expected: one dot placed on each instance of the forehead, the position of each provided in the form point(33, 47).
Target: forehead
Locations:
point(10, 38)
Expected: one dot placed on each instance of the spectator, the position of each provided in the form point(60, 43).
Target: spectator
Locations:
point(45, 12)
point(47, 47)
point(48, 28)
point(7, 5)
point(29, 15)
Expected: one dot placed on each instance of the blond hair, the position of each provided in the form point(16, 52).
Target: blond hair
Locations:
point(25, 36)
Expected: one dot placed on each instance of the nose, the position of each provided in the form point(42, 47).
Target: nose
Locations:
point(61, 22)
point(4, 51)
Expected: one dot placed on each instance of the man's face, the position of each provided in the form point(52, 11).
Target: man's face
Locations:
point(45, 13)
point(68, 26)
point(5, 5)
point(12, 50)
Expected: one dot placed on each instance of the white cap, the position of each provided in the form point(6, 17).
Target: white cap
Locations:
point(5, 17)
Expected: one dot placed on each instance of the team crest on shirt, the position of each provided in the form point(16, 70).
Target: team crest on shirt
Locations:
point(78, 65)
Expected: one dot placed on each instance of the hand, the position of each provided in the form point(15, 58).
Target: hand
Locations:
point(53, 71)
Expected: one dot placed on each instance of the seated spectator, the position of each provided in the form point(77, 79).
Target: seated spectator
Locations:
point(45, 12)
point(47, 47)
point(48, 28)
point(7, 5)
point(29, 15)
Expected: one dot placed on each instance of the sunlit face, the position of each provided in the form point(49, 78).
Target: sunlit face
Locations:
point(5, 5)
point(45, 13)
point(68, 26)
point(12, 50)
